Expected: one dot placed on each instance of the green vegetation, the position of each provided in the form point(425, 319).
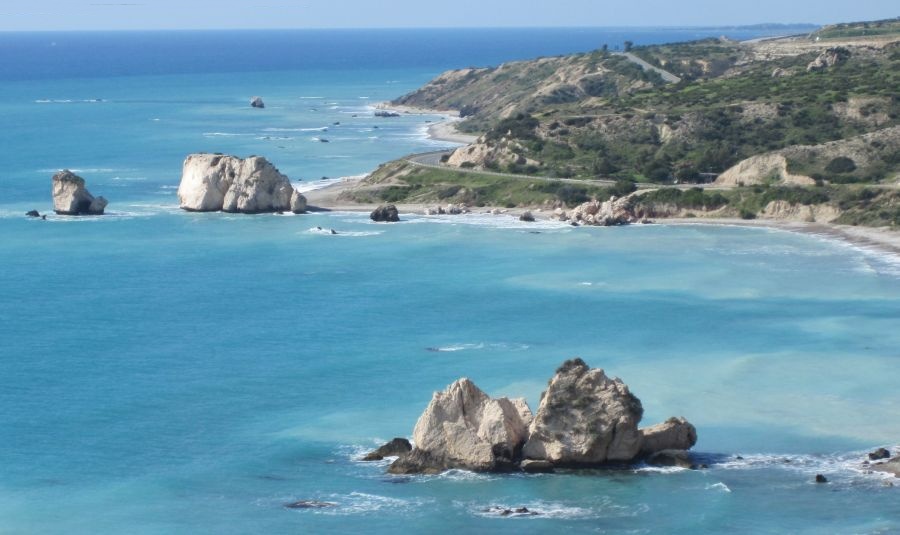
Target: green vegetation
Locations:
point(860, 29)
point(832, 113)
point(405, 182)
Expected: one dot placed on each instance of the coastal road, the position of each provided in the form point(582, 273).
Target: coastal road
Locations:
point(666, 75)
point(433, 161)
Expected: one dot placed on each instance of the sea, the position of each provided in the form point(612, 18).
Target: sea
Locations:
point(172, 372)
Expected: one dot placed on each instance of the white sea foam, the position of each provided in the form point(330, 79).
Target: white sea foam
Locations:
point(311, 98)
point(502, 221)
point(543, 510)
point(70, 101)
point(224, 134)
point(304, 187)
point(721, 487)
point(501, 346)
point(85, 170)
point(274, 138)
point(361, 503)
point(317, 129)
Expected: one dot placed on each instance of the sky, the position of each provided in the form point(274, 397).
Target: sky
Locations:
point(229, 14)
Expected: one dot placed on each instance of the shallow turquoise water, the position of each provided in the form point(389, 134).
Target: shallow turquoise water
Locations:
point(166, 372)
point(199, 375)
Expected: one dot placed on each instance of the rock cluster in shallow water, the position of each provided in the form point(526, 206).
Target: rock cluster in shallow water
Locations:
point(585, 419)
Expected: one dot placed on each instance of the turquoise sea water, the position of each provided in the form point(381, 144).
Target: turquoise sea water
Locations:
point(166, 372)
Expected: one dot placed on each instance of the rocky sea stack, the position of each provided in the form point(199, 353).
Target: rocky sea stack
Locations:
point(385, 214)
point(70, 197)
point(585, 420)
point(213, 183)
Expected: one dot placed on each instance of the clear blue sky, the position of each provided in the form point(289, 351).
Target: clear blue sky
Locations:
point(224, 14)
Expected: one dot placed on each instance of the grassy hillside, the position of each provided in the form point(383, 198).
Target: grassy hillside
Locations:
point(827, 105)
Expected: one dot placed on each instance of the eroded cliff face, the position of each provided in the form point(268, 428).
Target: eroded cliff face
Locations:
point(212, 183)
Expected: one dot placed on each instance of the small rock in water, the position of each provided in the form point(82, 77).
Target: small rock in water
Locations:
point(527, 217)
point(395, 448)
point(879, 454)
point(32, 213)
point(536, 467)
point(739, 458)
point(821, 479)
point(309, 504)
point(257, 102)
point(502, 511)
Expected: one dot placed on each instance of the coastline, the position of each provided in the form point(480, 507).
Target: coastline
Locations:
point(883, 239)
point(326, 199)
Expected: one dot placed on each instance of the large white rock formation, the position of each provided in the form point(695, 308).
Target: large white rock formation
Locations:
point(465, 428)
point(585, 418)
point(70, 197)
point(213, 182)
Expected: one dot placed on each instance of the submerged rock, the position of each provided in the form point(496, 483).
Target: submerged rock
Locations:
point(309, 504)
point(821, 479)
point(536, 467)
point(385, 214)
point(212, 183)
point(465, 428)
point(395, 448)
point(257, 102)
point(879, 454)
point(679, 458)
point(70, 197)
point(585, 418)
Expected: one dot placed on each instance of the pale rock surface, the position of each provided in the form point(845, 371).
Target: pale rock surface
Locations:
point(613, 212)
point(585, 418)
point(71, 197)
point(673, 434)
point(761, 169)
point(813, 213)
point(464, 428)
point(211, 183)
point(827, 59)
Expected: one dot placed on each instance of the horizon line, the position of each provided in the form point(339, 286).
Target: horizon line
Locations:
point(395, 28)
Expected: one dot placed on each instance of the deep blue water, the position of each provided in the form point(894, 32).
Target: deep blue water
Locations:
point(166, 372)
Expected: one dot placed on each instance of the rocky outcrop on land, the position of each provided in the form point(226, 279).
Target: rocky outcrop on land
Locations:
point(813, 213)
point(760, 170)
point(385, 214)
point(257, 102)
point(585, 419)
point(829, 58)
point(213, 182)
point(71, 197)
point(610, 213)
point(465, 428)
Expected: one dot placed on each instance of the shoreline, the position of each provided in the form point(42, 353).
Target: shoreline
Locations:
point(442, 130)
point(883, 239)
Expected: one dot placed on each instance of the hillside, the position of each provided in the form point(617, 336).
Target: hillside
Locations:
point(821, 109)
